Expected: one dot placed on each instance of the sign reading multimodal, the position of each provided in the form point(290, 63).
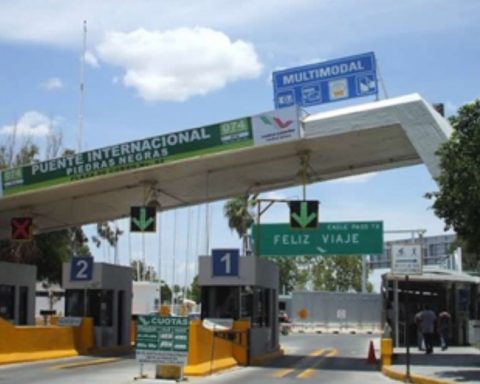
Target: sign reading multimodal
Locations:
point(340, 238)
point(303, 213)
point(162, 340)
point(406, 259)
point(263, 129)
point(325, 82)
point(143, 219)
point(225, 262)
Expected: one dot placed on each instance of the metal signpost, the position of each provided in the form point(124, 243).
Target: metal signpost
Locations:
point(335, 238)
point(407, 260)
point(320, 83)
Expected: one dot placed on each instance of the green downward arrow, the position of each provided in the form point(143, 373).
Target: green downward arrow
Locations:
point(304, 218)
point(143, 223)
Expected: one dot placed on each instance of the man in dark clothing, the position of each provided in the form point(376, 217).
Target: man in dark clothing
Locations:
point(427, 324)
point(444, 328)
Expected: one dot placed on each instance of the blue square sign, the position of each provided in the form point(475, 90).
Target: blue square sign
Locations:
point(225, 262)
point(81, 268)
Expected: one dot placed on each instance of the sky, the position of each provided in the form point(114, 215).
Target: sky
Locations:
point(158, 67)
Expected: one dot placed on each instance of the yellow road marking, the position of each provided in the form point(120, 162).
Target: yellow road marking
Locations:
point(310, 371)
point(85, 363)
point(286, 371)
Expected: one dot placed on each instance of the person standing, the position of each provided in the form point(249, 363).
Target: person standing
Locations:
point(427, 323)
point(444, 319)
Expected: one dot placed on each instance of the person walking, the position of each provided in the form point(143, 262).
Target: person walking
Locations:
point(444, 320)
point(427, 324)
point(418, 321)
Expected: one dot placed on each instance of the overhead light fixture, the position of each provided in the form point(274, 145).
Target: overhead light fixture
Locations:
point(153, 201)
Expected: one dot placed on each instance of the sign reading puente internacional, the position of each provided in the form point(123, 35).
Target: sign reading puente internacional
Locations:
point(263, 129)
point(336, 238)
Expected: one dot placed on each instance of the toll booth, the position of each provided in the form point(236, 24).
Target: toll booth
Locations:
point(242, 288)
point(101, 291)
point(17, 293)
point(456, 292)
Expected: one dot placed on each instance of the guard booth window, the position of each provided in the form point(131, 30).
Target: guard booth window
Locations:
point(75, 302)
point(7, 301)
point(100, 306)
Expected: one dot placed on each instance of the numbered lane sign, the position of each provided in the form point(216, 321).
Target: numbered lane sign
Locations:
point(81, 268)
point(225, 262)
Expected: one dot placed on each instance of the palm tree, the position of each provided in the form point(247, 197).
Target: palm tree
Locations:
point(238, 212)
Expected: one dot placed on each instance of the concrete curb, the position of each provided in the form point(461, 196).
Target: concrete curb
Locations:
point(417, 379)
point(25, 357)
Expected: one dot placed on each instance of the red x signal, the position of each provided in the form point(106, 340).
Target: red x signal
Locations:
point(21, 228)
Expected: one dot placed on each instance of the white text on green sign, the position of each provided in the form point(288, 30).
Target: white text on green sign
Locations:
point(337, 238)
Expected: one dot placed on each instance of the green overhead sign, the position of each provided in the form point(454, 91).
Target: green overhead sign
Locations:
point(264, 129)
point(143, 219)
point(338, 238)
point(304, 213)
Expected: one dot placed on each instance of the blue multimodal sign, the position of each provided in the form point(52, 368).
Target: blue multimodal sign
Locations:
point(225, 262)
point(334, 80)
point(81, 268)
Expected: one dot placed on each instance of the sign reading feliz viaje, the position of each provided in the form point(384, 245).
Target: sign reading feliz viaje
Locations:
point(337, 238)
point(263, 129)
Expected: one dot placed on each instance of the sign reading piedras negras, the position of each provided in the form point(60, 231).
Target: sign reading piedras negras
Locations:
point(336, 238)
point(162, 340)
point(263, 129)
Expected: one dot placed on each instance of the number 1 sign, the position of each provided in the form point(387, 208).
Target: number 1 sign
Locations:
point(225, 262)
point(81, 268)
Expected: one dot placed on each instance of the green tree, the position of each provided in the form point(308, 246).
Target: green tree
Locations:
point(194, 291)
point(293, 273)
point(338, 273)
point(458, 199)
point(240, 218)
point(143, 272)
point(47, 250)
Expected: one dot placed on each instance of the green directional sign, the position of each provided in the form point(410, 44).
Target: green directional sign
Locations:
point(162, 339)
point(304, 214)
point(142, 219)
point(337, 238)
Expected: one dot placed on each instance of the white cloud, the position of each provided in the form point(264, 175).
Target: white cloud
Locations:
point(177, 64)
point(52, 84)
point(59, 22)
point(363, 178)
point(31, 123)
point(90, 59)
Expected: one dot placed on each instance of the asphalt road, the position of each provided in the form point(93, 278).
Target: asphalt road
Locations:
point(309, 359)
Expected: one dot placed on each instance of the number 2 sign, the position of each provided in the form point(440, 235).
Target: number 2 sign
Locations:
point(225, 262)
point(81, 268)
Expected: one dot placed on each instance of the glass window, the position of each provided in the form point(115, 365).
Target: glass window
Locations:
point(74, 302)
point(100, 306)
point(7, 301)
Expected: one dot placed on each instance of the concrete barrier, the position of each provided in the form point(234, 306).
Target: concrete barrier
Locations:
point(210, 353)
point(30, 343)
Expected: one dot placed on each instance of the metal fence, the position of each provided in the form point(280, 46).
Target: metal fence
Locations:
point(336, 312)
